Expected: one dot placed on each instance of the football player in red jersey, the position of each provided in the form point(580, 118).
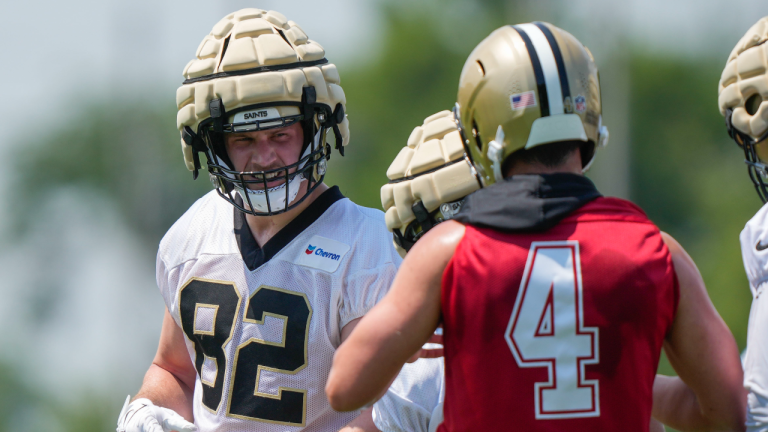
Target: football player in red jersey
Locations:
point(414, 401)
point(555, 301)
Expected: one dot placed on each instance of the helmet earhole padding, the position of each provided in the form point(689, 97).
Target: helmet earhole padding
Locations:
point(752, 105)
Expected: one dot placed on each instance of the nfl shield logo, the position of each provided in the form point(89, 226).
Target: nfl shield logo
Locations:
point(581, 104)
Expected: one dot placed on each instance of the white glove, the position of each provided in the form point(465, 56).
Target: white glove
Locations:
point(142, 415)
point(754, 249)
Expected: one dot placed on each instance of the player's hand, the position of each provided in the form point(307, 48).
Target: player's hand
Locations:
point(142, 415)
point(754, 249)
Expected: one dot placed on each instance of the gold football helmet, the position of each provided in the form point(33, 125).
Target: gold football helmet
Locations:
point(427, 180)
point(742, 96)
point(256, 70)
point(524, 86)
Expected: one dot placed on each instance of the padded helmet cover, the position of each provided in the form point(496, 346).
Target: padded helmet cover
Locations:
point(255, 57)
point(429, 172)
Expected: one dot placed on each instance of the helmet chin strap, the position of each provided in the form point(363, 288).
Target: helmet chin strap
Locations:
point(276, 199)
point(495, 152)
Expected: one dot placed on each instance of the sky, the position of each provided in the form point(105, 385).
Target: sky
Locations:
point(67, 52)
point(60, 55)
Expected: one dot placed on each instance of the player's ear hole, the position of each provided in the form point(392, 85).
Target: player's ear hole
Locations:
point(753, 104)
point(476, 135)
point(481, 67)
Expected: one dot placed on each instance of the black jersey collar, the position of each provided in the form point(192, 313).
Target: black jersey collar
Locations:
point(524, 203)
point(254, 256)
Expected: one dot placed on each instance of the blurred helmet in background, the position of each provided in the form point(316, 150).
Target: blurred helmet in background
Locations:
point(742, 96)
point(256, 71)
point(429, 179)
point(524, 86)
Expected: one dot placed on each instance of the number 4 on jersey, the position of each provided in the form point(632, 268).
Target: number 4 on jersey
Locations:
point(547, 330)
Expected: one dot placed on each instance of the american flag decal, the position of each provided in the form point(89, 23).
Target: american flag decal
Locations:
point(523, 100)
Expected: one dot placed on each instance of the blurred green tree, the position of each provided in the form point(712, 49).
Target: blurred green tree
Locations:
point(415, 75)
point(23, 407)
point(130, 153)
point(689, 176)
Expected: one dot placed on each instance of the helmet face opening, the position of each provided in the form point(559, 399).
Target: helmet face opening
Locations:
point(758, 171)
point(756, 168)
point(270, 115)
point(258, 195)
point(755, 151)
point(257, 192)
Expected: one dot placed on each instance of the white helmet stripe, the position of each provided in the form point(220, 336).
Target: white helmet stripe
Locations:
point(548, 66)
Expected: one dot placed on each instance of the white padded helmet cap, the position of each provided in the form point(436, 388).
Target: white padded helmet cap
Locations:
point(254, 56)
point(431, 168)
point(744, 82)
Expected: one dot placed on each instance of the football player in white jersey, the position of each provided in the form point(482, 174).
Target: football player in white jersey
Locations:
point(742, 93)
point(266, 275)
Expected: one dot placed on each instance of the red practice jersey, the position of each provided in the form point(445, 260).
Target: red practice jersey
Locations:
point(558, 330)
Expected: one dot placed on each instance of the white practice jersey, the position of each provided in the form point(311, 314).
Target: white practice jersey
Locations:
point(414, 401)
point(262, 323)
point(754, 250)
